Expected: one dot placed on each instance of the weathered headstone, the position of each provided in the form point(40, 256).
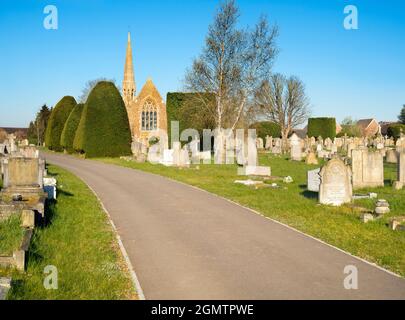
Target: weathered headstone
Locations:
point(401, 168)
point(296, 152)
point(391, 156)
point(313, 180)
point(184, 158)
point(367, 169)
point(23, 173)
point(176, 153)
point(252, 167)
point(336, 187)
point(269, 143)
point(311, 158)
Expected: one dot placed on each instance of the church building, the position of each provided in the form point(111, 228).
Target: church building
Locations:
point(147, 110)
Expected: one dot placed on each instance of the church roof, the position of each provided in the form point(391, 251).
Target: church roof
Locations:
point(149, 89)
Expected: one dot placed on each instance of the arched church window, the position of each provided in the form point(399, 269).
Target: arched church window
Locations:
point(149, 116)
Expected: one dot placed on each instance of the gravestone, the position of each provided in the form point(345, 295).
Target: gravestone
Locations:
point(311, 158)
point(240, 150)
point(167, 159)
point(184, 159)
point(29, 152)
point(259, 143)
point(313, 180)
point(194, 147)
point(335, 188)
point(269, 143)
point(176, 153)
point(205, 156)
point(351, 146)
point(252, 167)
point(277, 146)
point(296, 152)
point(391, 156)
point(154, 154)
point(23, 174)
point(367, 169)
point(401, 168)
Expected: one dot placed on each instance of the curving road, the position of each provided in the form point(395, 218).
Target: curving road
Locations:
point(188, 244)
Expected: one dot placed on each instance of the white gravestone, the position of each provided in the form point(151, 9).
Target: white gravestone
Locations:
point(336, 186)
point(313, 180)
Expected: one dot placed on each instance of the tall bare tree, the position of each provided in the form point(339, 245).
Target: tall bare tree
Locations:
point(284, 102)
point(233, 64)
point(90, 85)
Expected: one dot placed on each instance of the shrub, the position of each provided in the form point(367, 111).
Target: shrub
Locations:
point(57, 122)
point(350, 130)
point(394, 130)
point(69, 131)
point(104, 129)
point(266, 128)
point(324, 127)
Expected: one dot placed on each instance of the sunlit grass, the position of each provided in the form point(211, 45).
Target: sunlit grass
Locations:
point(11, 234)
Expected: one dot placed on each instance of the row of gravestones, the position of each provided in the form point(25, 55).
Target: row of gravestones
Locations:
point(336, 180)
point(227, 150)
point(328, 147)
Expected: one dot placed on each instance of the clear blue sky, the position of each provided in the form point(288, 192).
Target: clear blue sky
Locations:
point(358, 73)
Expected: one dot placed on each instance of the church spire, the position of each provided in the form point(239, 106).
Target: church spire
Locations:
point(128, 84)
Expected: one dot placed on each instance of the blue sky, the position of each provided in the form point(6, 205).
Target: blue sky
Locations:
point(358, 73)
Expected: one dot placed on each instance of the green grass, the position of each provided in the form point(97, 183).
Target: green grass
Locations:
point(11, 234)
point(78, 240)
point(293, 205)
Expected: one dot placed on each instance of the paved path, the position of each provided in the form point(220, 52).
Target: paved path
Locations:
point(188, 244)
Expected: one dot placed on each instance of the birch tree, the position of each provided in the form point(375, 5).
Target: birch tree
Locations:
point(233, 64)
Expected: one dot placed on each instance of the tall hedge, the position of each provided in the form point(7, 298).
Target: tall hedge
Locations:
point(324, 127)
point(266, 128)
point(57, 121)
point(71, 125)
point(104, 129)
point(191, 109)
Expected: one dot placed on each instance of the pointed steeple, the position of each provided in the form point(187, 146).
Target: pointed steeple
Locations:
point(128, 84)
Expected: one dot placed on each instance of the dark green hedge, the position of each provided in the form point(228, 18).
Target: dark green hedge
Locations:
point(324, 127)
point(192, 110)
point(69, 131)
point(267, 128)
point(394, 130)
point(104, 126)
point(57, 122)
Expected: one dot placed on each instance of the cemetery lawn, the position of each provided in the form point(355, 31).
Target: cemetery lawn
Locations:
point(11, 234)
point(79, 241)
point(293, 205)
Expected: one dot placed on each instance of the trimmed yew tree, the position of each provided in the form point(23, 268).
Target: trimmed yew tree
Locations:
point(71, 125)
point(104, 126)
point(57, 121)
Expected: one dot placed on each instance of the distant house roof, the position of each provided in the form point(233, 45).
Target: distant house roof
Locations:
point(364, 123)
point(302, 133)
point(10, 130)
